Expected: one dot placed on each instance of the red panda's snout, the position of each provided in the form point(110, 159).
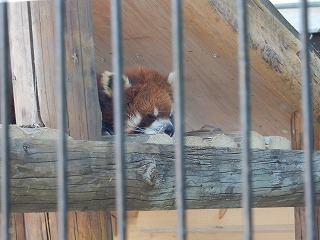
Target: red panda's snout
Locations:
point(169, 129)
point(160, 126)
point(138, 123)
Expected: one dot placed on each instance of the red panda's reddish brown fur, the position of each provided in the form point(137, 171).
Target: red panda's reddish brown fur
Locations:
point(148, 96)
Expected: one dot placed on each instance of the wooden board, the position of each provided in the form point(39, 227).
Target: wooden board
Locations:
point(210, 49)
point(297, 143)
point(160, 225)
point(208, 220)
point(34, 83)
point(22, 59)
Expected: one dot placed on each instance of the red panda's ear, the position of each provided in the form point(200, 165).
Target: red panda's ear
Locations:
point(172, 78)
point(106, 82)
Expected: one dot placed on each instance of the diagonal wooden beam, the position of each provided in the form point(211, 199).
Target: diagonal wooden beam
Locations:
point(297, 144)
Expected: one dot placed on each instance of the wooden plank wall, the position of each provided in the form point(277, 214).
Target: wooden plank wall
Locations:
point(33, 68)
point(269, 224)
point(297, 144)
point(210, 50)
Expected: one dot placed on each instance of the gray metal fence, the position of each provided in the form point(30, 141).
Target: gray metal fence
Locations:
point(4, 59)
point(177, 46)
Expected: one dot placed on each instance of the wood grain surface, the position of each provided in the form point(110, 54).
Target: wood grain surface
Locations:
point(213, 176)
point(297, 143)
point(210, 50)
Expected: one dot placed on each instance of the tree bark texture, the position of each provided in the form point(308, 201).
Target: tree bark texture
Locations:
point(213, 176)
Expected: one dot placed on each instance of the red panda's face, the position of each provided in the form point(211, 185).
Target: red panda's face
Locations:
point(149, 102)
point(150, 110)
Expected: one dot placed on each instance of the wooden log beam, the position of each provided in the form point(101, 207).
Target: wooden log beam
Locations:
point(213, 176)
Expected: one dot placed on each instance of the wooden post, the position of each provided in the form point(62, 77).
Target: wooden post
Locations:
point(33, 68)
point(297, 144)
point(23, 85)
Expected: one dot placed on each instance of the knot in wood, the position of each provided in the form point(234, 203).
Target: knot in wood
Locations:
point(150, 173)
point(75, 58)
point(25, 147)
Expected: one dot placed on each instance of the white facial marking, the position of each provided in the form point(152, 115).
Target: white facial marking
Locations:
point(158, 126)
point(133, 122)
point(105, 78)
point(156, 112)
point(127, 83)
point(172, 77)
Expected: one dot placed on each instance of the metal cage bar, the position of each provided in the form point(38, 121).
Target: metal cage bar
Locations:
point(117, 65)
point(177, 47)
point(295, 5)
point(306, 92)
point(5, 144)
point(177, 50)
point(245, 116)
point(61, 119)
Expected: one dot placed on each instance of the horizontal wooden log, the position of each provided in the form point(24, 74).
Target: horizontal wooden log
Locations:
point(213, 176)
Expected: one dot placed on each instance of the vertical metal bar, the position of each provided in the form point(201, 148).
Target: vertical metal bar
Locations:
point(5, 145)
point(306, 92)
point(116, 29)
point(61, 119)
point(177, 49)
point(245, 115)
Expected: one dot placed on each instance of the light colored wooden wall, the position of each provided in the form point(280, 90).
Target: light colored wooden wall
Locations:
point(210, 49)
point(269, 224)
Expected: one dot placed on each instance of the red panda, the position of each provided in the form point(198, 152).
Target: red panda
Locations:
point(148, 101)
